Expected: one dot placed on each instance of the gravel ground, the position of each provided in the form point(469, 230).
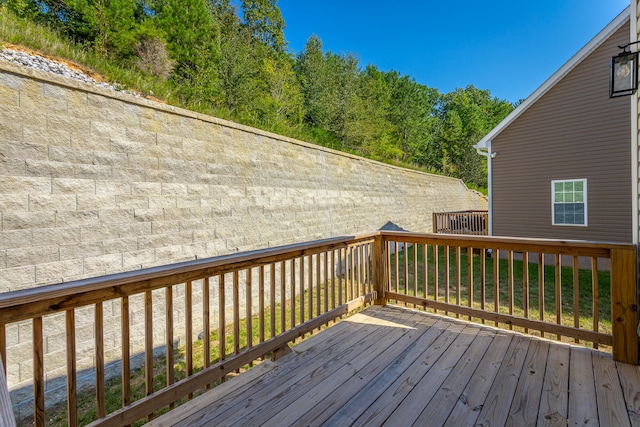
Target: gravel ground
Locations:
point(27, 59)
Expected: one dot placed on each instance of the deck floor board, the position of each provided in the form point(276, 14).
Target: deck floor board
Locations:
point(401, 366)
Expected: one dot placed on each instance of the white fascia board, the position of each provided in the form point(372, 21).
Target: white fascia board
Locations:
point(576, 59)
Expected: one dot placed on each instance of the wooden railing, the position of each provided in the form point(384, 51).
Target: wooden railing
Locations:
point(461, 222)
point(253, 304)
point(566, 290)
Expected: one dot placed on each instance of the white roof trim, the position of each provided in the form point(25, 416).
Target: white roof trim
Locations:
point(576, 59)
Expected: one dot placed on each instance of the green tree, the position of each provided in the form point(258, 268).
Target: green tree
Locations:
point(192, 38)
point(264, 20)
point(413, 113)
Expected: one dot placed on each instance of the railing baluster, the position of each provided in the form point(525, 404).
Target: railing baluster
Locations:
point(406, 269)
point(311, 289)
point(99, 360)
point(458, 276)
point(397, 265)
point(525, 286)
point(188, 323)
point(293, 293)
point(425, 270)
point(510, 283)
point(126, 356)
point(318, 286)
point(388, 278)
point(496, 283)
point(352, 272)
point(72, 399)
point(283, 296)
point(415, 270)
point(558, 292)
point(148, 345)
point(326, 281)
point(38, 372)
point(236, 313)
point(272, 300)
point(222, 339)
point(333, 279)
point(576, 295)
point(3, 347)
point(447, 282)
point(168, 320)
point(483, 280)
point(261, 303)
point(470, 275)
point(436, 273)
point(541, 289)
point(206, 324)
point(248, 303)
point(596, 296)
point(302, 295)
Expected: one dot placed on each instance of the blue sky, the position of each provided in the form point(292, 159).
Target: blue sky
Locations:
point(509, 47)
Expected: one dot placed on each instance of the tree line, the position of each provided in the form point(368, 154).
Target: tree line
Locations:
point(233, 62)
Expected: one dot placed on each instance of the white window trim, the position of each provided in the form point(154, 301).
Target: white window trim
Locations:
point(553, 202)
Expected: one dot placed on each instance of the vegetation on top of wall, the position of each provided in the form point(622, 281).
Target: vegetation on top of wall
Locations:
point(207, 56)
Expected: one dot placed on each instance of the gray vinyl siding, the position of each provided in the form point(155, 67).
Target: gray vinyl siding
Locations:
point(573, 131)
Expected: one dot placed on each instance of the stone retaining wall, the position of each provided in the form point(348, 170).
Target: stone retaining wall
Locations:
point(94, 182)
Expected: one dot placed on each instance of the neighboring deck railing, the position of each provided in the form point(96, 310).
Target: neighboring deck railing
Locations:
point(256, 303)
point(461, 222)
point(516, 287)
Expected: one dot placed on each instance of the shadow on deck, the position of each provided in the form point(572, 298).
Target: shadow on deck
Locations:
point(398, 366)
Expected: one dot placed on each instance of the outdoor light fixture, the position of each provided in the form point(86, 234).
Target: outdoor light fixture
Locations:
point(623, 79)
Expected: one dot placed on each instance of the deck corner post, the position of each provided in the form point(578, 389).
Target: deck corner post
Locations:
point(624, 305)
point(380, 278)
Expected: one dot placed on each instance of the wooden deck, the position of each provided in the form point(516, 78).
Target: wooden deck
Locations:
point(397, 366)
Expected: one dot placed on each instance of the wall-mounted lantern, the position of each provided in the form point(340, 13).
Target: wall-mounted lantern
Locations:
point(623, 78)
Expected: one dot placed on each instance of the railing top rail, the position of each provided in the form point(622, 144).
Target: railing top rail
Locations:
point(462, 212)
point(548, 246)
point(155, 277)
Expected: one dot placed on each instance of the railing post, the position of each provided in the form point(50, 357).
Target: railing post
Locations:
point(380, 272)
point(6, 412)
point(435, 222)
point(624, 305)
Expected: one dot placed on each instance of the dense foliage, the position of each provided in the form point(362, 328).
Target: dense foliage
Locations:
point(236, 64)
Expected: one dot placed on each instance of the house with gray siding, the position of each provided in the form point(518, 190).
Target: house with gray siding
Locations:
point(560, 165)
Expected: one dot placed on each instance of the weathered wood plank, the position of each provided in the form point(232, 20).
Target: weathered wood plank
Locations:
point(410, 407)
point(359, 403)
point(583, 409)
point(471, 400)
point(555, 394)
point(630, 380)
point(425, 375)
point(298, 381)
point(442, 403)
point(309, 349)
point(233, 363)
point(496, 408)
point(321, 400)
point(526, 399)
point(388, 401)
point(611, 405)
